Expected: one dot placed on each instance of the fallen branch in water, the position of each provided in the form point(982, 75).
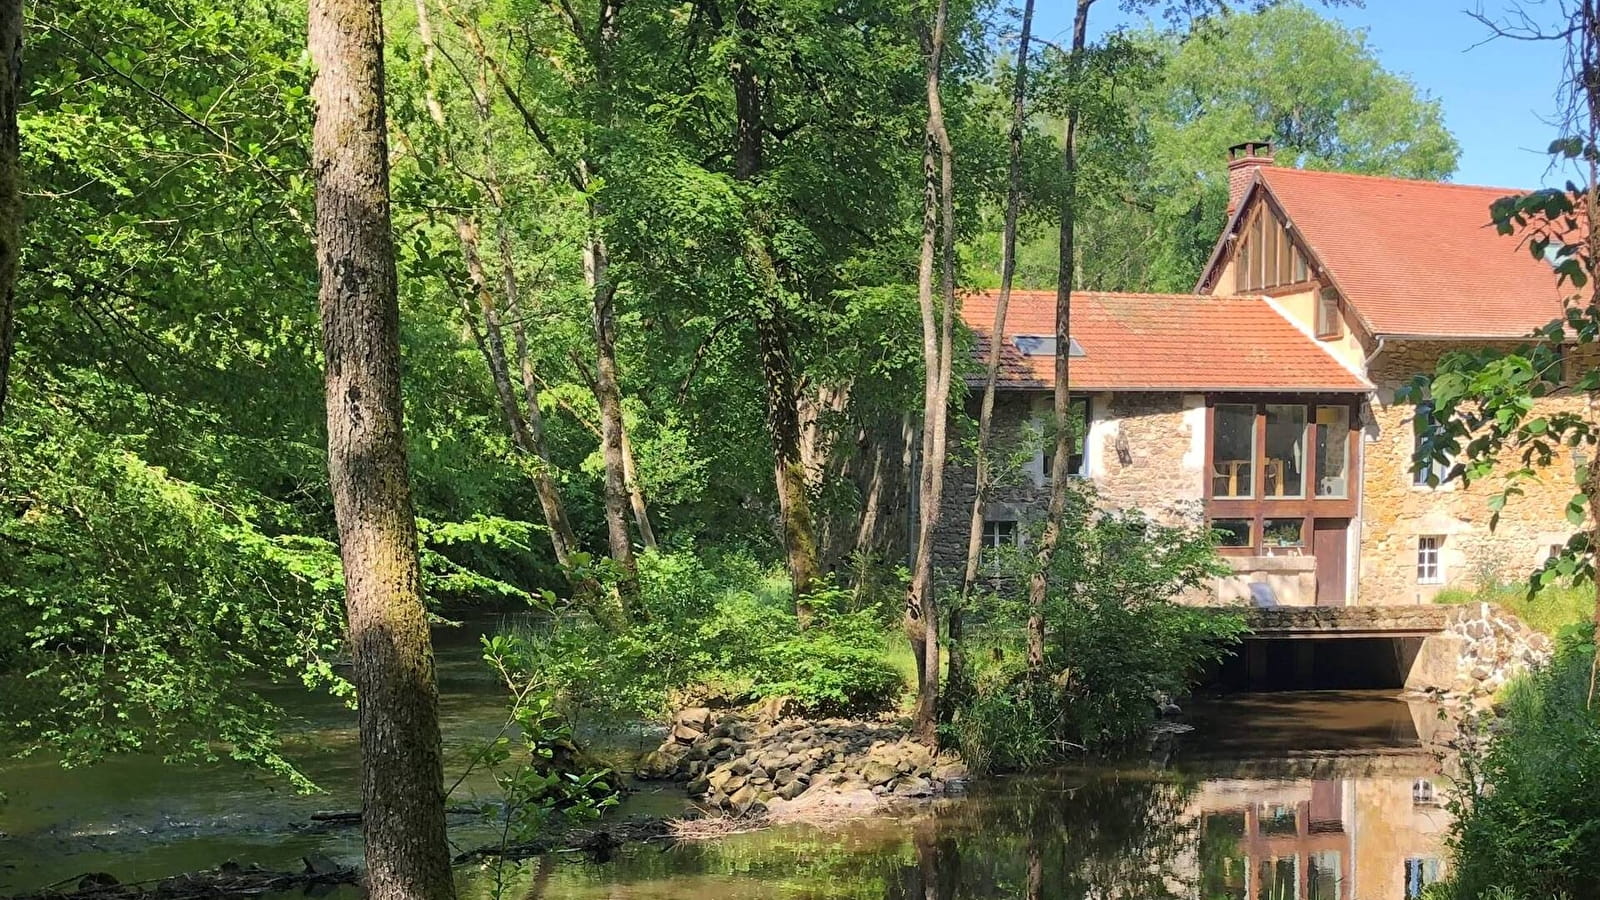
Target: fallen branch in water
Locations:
point(599, 842)
point(227, 880)
point(353, 817)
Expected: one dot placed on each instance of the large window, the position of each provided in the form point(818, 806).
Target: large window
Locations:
point(1333, 452)
point(1275, 469)
point(1268, 256)
point(1233, 451)
point(1284, 453)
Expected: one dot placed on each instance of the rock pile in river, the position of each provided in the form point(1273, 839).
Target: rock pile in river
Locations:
point(737, 766)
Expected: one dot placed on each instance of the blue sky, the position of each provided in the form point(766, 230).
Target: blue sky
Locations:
point(1497, 98)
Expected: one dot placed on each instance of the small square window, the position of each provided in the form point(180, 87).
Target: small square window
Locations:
point(1283, 533)
point(1430, 567)
point(1232, 532)
point(999, 533)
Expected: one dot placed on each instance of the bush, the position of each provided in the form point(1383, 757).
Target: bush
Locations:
point(1527, 820)
point(722, 626)
point(1115, 641)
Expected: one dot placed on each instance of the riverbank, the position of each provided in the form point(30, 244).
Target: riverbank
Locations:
point(798, 768)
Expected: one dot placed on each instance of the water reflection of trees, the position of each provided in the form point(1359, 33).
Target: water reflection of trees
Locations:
point(1104, 837)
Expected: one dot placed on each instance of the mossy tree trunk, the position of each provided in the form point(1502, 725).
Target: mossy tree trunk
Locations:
point(402, 775)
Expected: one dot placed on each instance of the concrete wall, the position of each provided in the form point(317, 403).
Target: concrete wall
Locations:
point(1395, 512)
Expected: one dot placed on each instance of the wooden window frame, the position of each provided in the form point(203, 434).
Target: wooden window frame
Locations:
point(1000, 540)
point(1329, 315)
point(1257, 507)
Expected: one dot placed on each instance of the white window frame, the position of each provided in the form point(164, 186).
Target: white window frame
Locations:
point(1419, 477)
point(1430, 559)
point(992, 536)
point(1043, 411)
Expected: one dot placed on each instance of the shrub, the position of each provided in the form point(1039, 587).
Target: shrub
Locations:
point(1527, 820)
point(1115, 641)
point(718, 625)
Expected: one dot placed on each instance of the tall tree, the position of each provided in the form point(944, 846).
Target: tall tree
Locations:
point(402, 774)
point(772, 324)
point(991, 379)
point(10, 185)
point(1059, 476)
point(591, 74)
point(938, 237)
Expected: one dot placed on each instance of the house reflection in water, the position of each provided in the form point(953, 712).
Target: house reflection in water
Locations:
point(1371, 838)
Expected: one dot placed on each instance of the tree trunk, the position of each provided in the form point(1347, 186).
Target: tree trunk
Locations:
point(1059, 476)
point(609, 396)
point(402, 783)
point(527, 433)
point(772, 333)
point(1008, 269)
point(922, 616)
point(641, 510)
point(783, 423)
point(10, 186)
point(494, 345)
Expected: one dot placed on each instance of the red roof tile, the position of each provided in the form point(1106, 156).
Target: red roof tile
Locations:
point(1418, 257)
point(1140, 342)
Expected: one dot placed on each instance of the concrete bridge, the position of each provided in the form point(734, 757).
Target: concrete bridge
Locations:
point(1466, 649)
point(1347, 622)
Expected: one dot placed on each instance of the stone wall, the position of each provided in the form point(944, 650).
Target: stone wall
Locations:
point(1395, 513)
point(1145, 451)
point(1480, 648)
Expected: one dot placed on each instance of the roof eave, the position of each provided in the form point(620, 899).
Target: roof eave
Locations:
point(1423, 336)
point(1185, 388)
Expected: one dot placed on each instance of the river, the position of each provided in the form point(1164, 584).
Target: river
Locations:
point(1299, 796)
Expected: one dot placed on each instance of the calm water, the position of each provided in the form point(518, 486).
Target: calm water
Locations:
point(1311, 796)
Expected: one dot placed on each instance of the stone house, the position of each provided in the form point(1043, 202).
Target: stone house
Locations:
point(1264, 403)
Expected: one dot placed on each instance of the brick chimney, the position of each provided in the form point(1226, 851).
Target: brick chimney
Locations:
point(1243, 160)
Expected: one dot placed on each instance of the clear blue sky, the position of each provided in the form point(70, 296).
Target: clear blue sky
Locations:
point(1498, 98)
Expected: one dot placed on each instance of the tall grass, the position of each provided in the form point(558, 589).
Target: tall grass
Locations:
point(1549, 611)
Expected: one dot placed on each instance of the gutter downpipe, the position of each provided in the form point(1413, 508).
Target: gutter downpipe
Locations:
point(1354, 576)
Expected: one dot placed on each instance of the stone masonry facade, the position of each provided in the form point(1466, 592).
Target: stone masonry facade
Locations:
point(1145, 451)
point(1396, 513)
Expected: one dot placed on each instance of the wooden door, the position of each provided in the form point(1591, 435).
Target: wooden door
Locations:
point(1330, 545)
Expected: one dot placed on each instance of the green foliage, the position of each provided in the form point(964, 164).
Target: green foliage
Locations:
point(142, 611)
point(1477, 413)
point(724, 627)
point(1116, 641)
point(1525, 821)
point(549, 781)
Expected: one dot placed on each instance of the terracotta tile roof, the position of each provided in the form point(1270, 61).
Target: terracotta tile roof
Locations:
point(1140, 342)
point(1418, 257)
